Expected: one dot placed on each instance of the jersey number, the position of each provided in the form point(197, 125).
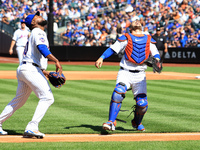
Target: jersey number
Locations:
point(26, 49)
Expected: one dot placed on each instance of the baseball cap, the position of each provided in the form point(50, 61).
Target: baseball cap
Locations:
point(157, 29)
point(29, 18)
point(22, 21)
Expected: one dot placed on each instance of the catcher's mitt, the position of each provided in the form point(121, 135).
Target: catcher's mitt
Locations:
point(153, 62)
point(56, 80)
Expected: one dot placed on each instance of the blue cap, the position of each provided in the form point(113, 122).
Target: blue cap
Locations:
point(22, 21)
point(29, 18)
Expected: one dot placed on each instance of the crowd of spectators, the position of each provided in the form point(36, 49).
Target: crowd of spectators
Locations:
point(101, 22)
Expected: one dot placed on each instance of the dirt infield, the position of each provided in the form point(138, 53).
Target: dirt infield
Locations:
point(103, 75)
point(109, 75)
point(98, 137)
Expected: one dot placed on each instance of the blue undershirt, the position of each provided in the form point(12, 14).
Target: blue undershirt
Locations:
point(43, 50)
point(107, 53)
point(157, 56)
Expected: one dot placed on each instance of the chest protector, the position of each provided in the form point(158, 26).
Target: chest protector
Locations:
point(138, 48)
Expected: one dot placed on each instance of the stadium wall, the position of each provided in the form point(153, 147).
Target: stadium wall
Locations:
point(76, 53)
point(81, 53)
point(5, 41)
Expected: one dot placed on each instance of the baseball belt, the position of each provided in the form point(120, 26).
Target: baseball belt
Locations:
point(34, 64)
point(133, 71)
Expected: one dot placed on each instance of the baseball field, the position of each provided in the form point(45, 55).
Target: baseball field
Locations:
point(75, 119)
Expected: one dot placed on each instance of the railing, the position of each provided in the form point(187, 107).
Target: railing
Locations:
point(9, 30)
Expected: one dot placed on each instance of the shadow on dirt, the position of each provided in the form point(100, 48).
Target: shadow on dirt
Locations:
point(99, 129)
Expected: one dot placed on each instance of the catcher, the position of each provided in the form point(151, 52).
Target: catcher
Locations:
point(136, 48)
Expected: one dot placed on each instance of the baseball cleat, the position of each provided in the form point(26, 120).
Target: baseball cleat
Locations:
point(2, 132)
point(139, 127)
point(31, 134)
point(109, 126)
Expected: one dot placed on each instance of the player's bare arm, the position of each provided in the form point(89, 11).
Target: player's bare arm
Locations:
point(46, 73)
point(11, 47)
point(166, 49)
point(99, 63)
point(105, 55)
point(57, 63)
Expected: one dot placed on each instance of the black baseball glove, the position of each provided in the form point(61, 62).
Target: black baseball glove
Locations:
point(57, 80)
point(154, 63)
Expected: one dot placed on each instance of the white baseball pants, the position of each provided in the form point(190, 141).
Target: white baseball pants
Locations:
point(20, 51)
point(30, 78)
point(137, 81)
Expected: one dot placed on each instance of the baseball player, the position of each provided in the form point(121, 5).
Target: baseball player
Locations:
point(20, 37)
point(136, 48)
point(31, 76)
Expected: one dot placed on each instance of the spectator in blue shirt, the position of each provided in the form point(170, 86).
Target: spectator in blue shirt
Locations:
point(66, 35)
point(183, 39)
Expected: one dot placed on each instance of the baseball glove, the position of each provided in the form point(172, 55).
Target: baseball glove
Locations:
point(56, 80)
point(154, 63)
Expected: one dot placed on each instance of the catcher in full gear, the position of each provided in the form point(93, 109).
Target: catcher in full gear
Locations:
point(136, 48)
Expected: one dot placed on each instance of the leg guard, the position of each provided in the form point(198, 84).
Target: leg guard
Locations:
point(119, 92)
point(141, 108)
point(116, 100)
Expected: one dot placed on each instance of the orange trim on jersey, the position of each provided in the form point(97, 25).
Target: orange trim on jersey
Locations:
point(121, 40)
point(153, 42)
point(129, 48)
point(147, 49)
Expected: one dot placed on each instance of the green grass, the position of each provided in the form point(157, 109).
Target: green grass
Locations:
point(82, 107)
point(168, 145)
point(13, 66)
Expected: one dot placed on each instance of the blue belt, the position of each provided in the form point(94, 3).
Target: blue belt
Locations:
point(133, 71)
point(34, 64)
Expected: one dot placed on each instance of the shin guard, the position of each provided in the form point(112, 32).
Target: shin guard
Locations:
point(116, 100)
point(114, 110)
point(141, 108)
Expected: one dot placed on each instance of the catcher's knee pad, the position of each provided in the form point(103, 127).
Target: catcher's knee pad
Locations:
point(119, 92)
point(141, 104)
